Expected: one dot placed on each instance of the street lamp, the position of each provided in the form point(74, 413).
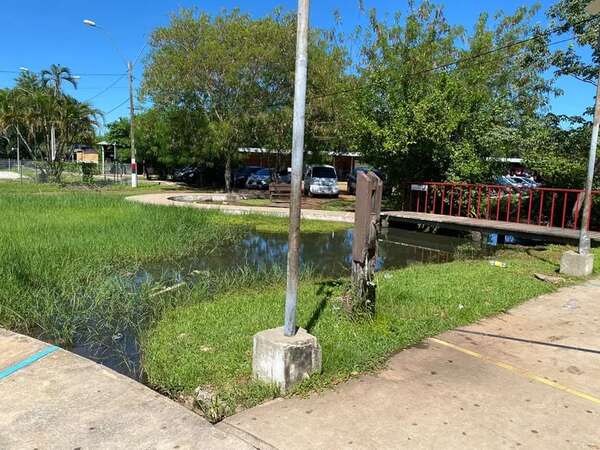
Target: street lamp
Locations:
point(93, 24)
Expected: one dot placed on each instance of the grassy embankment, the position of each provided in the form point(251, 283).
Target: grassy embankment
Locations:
point(209, 344)
point(66, 259)
point(68, 255)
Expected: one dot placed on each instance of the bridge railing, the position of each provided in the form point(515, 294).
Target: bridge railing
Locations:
point(562, 208)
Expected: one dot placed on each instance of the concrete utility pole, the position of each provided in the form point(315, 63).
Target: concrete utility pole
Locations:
point(115, 163)
point(93, 24)
point(582, 263)
point(584, 235)
point(134, 181)
point(19, 168)
point(286, 356)
point(52, 143)
point(293, 261)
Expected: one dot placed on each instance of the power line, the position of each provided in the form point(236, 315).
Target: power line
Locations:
point(110, 86)
point(117, 107)
point(77, 74)
point(468, 58)
point(335, 122)
point(432, 69)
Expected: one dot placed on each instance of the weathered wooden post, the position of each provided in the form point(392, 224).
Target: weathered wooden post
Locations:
point(369, 188)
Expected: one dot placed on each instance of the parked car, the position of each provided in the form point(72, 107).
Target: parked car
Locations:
point(351, 189)
point(240, 176)
point(261, 179)
point(509, 182)
point(284, 176)
point(517, 182)
point(527, 182)
point(321, 180)
point(201, 175)
point(189, 174)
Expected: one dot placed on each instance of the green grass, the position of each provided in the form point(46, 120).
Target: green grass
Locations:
point(255, 202)
point(68, 254)
point(209, 343)
point(338, 205)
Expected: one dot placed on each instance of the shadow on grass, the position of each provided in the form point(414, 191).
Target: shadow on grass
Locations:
point(537, 253)
point(326, 291)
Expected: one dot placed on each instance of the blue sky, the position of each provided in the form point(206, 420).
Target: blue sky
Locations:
point(38, 33)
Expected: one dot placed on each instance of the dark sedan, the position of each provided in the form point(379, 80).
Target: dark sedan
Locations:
point(260, 179)
point(352, 177)
point(240, 177)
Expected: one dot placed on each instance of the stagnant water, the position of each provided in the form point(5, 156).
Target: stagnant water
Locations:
point(326, 254)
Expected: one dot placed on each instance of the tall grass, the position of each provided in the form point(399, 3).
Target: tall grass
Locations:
point(208, 345)
point(68, 259)
point(61, 254)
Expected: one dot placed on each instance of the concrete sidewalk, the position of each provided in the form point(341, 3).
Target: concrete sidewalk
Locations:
point(166, 199)
point(529, 378)
point(53, 399)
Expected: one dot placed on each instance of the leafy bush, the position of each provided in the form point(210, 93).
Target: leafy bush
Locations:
point(88, 170)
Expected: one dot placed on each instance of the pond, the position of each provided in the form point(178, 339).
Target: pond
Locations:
point(325, 254)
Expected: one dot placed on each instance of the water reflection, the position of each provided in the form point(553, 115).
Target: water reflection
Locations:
point(327, 254)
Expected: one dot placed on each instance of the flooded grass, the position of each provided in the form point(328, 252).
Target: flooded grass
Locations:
point(89, 271)
point(63, 255)
point(208, 345)
point(69, 258)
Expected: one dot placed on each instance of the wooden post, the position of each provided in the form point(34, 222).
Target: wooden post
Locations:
point(369, 190)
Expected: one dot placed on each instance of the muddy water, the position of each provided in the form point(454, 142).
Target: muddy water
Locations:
point(327, 254)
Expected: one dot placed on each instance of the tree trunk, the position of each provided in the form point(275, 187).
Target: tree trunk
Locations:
point(228, 173)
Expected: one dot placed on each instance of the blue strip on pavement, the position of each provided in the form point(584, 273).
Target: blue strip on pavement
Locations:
point(27, 361)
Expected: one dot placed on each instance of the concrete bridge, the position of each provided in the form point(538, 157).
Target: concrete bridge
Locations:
point(522, 230)
point(549, 214)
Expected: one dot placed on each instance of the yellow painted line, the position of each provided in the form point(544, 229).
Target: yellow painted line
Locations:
point(521, 372)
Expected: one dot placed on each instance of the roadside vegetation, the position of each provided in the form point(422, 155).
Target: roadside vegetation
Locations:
point(69, 255)
point(206, 346)
point(70, 258)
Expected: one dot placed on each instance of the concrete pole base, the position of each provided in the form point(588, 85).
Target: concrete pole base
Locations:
point(576, 265)
point(285, 360)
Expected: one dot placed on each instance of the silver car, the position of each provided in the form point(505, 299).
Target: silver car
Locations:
point(321, 180)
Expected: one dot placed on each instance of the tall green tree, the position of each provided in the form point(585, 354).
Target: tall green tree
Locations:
point(570, 16)
point(239, 72)
point(436, 102)
point(55, 76)
point(564, 160)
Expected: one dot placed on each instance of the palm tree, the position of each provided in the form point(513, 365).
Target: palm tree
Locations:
point(55, 75)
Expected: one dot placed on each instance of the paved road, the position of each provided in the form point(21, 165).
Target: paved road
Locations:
point(6, 175)
point(165, 199)
point(526, 379)
point(53, 399)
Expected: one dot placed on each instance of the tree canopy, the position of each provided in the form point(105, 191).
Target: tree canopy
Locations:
point(434, 101)
point(35, 106)
point(425, 100)
point(236, 73)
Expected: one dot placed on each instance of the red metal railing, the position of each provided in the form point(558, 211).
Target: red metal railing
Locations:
point(550, 207)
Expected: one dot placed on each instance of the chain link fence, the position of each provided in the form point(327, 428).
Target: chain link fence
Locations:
point(26, 170)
